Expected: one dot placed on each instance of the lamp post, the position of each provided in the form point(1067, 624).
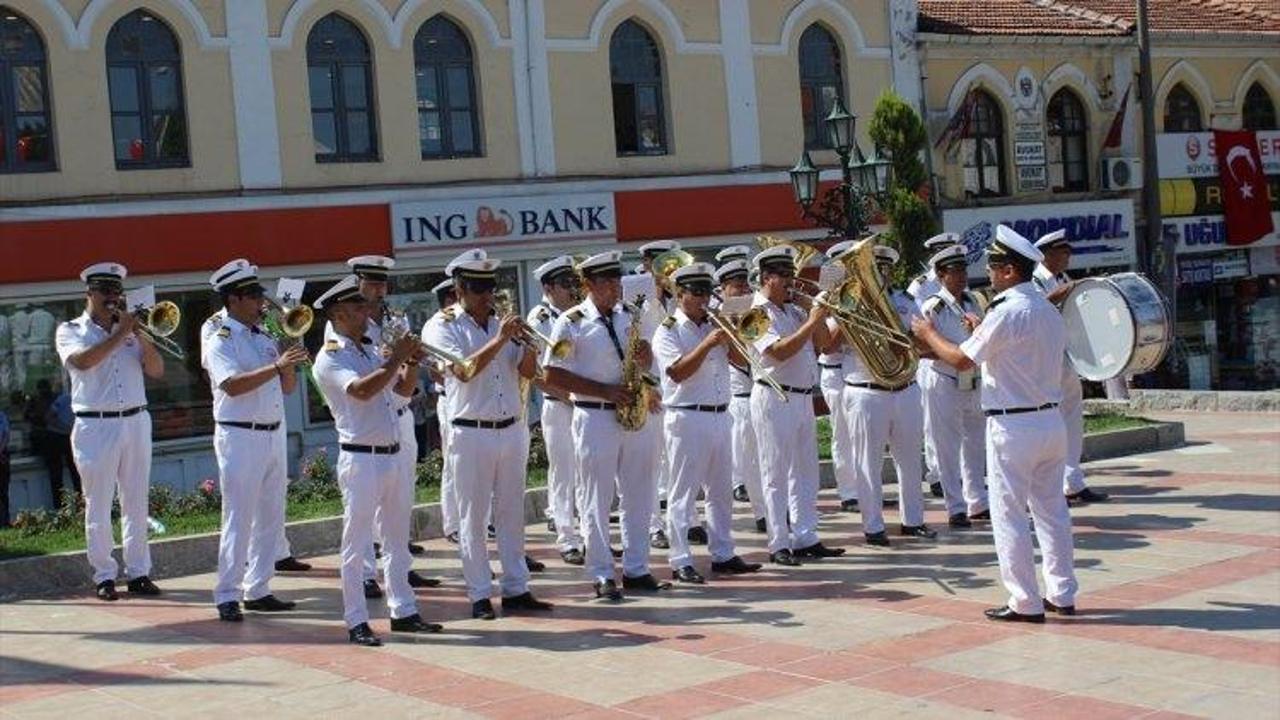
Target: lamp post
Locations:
point(843, 209)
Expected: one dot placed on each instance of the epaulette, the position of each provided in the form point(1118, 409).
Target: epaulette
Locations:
point(332, 345)
point(930, 303)
point(574, 315)
point(996, 302)
point(224, 332)
point(447, 313)
point(214, 319)
point(543, 314)
point(670, 322)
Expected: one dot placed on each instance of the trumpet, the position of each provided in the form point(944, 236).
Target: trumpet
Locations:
point(530, 337)
point(395, 325)
point(157, 323)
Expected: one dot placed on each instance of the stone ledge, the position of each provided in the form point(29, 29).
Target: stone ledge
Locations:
point(1204, 400)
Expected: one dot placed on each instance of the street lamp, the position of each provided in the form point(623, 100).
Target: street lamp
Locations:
point(804, 180)
point(843, 209)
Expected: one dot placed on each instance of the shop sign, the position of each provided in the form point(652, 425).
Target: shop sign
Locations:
point(541, 218)
point(1184, 155)
point(1208, 233)
point(1195, 271)
point(1101, 232)
point(1028, 153)
point(1028, 132)
point(1203, 196)
point(1234, 264)
point(1033, 178)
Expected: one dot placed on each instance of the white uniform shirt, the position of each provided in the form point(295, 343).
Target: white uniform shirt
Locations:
point(1046, 281)
point(114, 384)
point(372, 330)
point(494, 393)
point(543, 316)
point(709, 384)
point(235, 350)
point(211, 325)
point(362, 422)
point(924, 286)
point(1019, 345)
point(799, 370)
point(947, 314)
point(593, 355)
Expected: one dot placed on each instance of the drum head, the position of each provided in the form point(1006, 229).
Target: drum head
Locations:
point(1100, 329)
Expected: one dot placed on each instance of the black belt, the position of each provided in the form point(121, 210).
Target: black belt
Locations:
point(588, 405)
point(742, 395)
point(700, 408)
point(550, 398)
point(110, 413)
point(1018, 411)
point(878, 386)
point(485, 424)
point(788, 388)
point(371, 449)
point(829, 366)
point(265, 427)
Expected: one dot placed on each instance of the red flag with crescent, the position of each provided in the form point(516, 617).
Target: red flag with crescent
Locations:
point(1244, 187)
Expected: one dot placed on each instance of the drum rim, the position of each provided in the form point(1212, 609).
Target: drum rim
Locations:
point(1111, 282)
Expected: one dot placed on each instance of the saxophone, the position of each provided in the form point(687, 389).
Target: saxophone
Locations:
point(632, 415)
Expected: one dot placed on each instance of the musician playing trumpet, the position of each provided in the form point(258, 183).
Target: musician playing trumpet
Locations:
point(734, 282)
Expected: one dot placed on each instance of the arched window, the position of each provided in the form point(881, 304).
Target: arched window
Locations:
point(635, 65)
point(26, 133)
point(1068, 151)
point(144, 74)
point(340, 75)
point(983, 147)
point(821, 82)
point(1181, 111)
point(1259, 112)
point(448, 124)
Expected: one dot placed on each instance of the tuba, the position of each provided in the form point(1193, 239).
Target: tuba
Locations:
point(632, 415)
point(869, 322)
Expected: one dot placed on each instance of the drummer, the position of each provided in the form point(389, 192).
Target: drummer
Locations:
point(1052, 279)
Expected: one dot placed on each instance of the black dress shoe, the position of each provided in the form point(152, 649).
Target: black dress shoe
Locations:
point(371, 589)
point(292, 564)
point(416, 549)
point(229, 611)
point(849, 506)
point(106, 590)
point(1059, 609)
point(377, 551)
point(1086, 496)
point(525, 601)
point(418, 581)
point(784, 557)
point(687, 574)
point(362, 634)
point(607, 589)
point(879, 539)
point(735, 566)
point(740, 494)
point(981, 516)
point(698, 535)
point(646, 582)
point(452, 537)
point(414, 624)
point(818, 550)
point(935, 489)
point(959, 521)
point(920, 531)
point(889, 502)
point(615, 552)
point(762, 526)
point(534, 565)
point(551, 525)
point(142, 585)
point(658, 540)
point(572, 556)
point(492, 532)
point(1007, 614)
point(483, 610)
point(269, 603)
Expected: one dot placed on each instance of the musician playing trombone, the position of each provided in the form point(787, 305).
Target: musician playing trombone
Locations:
point(106, 356)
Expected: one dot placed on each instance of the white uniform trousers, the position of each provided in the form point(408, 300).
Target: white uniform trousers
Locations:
point(409, 457)
point(1072, 409)
point(611, 460)
point(252, 470)
point(954, 421)
point(699, 447)
point(1025, 457)
point(931, 472)
point(370, 482)
point(562, 484)
point(282, 539)
point(788, 448)
point(111, 453)
point(746, 456)
point(876, 417)
point(448, 501)
point(489, 473)
point(832, 384)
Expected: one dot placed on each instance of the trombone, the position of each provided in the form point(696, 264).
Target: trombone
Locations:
point(157, 323)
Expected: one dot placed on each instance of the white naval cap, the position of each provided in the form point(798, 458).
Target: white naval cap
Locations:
point(219, 275)
point(941, 240)
point(371, 267)
point(1053, 239)
point(948, 256)
point(734, 252)
point(345, 290)
point(1008, 242)
point(835, 252)
point(443, 286)
point(657, 247)
point(239, 274)
point(778, 256)
point(605, 263)
point(694, 274)
point(732, 270)
point(887, 254)
point(104, 273)
point(473, 264)
point(553, 268)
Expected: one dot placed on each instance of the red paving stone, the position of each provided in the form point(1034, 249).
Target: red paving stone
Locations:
point(760, 685)
point(766, 654)
point(910, 681)
point(837, 666)
point(687, 703)
point(993, 696)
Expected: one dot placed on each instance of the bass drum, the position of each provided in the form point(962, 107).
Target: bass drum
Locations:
point(1117, 325)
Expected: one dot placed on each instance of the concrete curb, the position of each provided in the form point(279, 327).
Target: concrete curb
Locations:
point(1204, 400)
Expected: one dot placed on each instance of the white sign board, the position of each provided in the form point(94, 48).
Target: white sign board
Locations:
point(1033, 178)
point(1191, 155)
point(1028, 153)
point(502, 220)
point(1208, 233)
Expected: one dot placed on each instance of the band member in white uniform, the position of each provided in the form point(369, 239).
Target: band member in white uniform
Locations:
point(732, 277)
point(877, 414)
point(111, 438)
point(1019, 346)
point(785, 429)
point(1052, 279)
point(446, 297)
point(249, 377)
point(921, 288)
point(358, 384)
point(693, 359)
point(953, 413)
point(608, 456)
point(560, 289)
point(831, 374)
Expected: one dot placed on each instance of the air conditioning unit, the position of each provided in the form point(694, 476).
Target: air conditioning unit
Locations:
point(1121, 173)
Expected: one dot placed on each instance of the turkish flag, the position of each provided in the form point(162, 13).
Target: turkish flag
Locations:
point(1244, 187)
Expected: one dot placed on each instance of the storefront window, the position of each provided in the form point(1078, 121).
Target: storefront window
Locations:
point(1228, 332)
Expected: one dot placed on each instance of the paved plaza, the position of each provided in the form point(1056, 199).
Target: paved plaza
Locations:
point(1180, 616)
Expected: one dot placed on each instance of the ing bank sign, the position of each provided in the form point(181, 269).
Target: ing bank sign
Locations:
point(502, 220)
